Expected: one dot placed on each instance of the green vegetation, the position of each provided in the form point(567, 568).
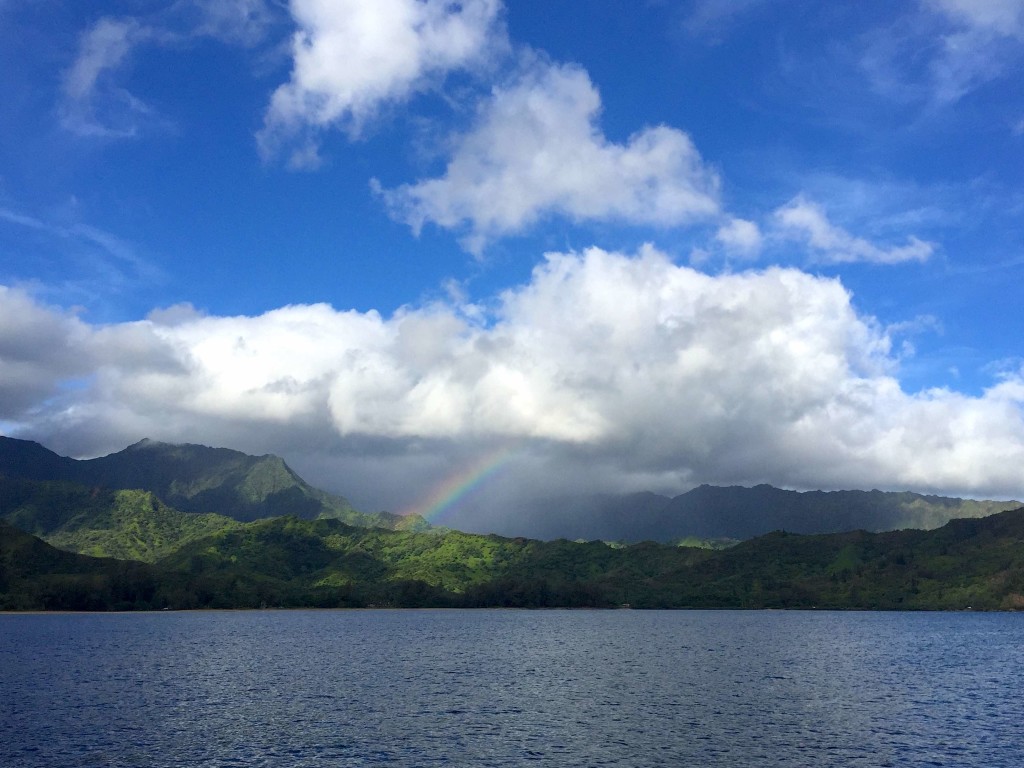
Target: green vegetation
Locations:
point(194, 479)
point(131, 525)
point(36, 576)
point(289, 562)
point(717, 543)
point(132, 549)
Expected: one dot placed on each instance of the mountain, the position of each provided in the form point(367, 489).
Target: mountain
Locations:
point(126, 524)
point(194, 478)
point(199, 479)
point(967, 563)
point(288, 562)
point(37, 576)
point(713, 512)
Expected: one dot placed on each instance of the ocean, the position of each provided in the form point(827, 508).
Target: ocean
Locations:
point(511, 688)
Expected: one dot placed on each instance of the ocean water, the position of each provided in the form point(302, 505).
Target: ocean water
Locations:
point(512, 688)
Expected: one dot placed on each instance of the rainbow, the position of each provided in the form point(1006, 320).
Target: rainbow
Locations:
point(460, 484)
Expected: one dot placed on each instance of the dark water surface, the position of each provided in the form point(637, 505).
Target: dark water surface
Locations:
point(510, 688)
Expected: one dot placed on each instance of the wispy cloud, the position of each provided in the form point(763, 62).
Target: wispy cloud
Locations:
point(711, 19)
point(239, 22)
point(95, 102)
point(986, 37)
point(945, 50)
point(1000, 17)
point(807, 221)
point(14, 217)
point(100, 256)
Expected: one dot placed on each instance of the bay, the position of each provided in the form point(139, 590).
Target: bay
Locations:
point(510, 688)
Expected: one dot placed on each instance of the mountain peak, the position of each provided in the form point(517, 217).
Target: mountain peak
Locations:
point(144, 443)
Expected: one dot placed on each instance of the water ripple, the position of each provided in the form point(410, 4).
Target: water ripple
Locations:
point(505, 688)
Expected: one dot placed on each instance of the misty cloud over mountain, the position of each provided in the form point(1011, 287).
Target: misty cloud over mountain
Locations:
point(606, 373)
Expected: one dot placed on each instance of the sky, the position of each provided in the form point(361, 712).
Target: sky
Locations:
point(453, 257)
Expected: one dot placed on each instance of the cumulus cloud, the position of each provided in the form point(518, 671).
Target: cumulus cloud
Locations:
point(740, 236)
point(805, 220)
point(537, 150)
point(40, 347)
point(353, 56)
point(607, 371)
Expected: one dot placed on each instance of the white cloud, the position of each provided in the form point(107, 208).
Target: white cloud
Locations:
point(243, 22)
point(986, 36)
point(537, 150)
point(1002, 17)
point(102, 260)
point(633, 365)
point(710, 19)
point(944, 50)
point(102, 48)
point(353, 56)
point(740, 236)
point(94, 101)
point(806, 220)
point(94, 105)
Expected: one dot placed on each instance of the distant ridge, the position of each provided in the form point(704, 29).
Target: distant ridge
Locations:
point(193, 478)
point(200, 479)
point(736, 512)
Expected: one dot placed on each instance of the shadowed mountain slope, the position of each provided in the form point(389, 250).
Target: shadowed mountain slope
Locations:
point(37, 576)
point(194, 478)
point(127, 524)
point(734, 512)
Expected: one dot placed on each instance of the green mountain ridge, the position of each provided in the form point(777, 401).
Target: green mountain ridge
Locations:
point(155, 556)
point(199, 479)
point(37, 576)
point(126, 524)
point(195, 479)
point(289, 562)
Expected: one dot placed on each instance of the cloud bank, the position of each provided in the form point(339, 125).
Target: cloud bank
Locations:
point(608, 371)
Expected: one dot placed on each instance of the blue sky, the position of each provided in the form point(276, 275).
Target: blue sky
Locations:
point(646, 245)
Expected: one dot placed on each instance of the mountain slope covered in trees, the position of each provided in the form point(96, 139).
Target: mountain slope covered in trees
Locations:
point(289, 562)
point(199, 479)
point(194, 478)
